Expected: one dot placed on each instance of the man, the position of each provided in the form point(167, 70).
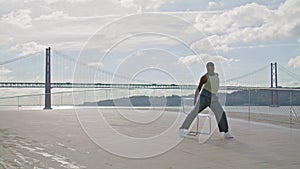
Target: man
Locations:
point(207, 98)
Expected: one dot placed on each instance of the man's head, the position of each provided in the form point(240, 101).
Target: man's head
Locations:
point(210, 67)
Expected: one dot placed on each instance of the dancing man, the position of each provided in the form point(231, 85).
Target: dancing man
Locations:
point(208, 98)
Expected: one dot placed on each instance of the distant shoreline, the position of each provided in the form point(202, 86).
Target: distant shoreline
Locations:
point(237, 98)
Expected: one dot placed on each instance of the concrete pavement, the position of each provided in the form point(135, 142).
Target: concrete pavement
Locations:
point(55, 139)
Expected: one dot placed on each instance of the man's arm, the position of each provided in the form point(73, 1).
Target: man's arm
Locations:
point(202, 81)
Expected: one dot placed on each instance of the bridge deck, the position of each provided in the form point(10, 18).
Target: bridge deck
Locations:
point(129, 86)
point(55, 139)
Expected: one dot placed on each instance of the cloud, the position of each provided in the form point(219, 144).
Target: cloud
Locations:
point(231, 20)
point(57, 15)
point(290, 83)
point(3, 73)
point(144, 30)
point(62, 16)
point(203, 58)
point(55, 1)
point(294, 62)
point(67, 45)
point(27, 48)
point(211, 4)
point(209, 45)
point(249, 23)
point(20, 18)
point(143, 5)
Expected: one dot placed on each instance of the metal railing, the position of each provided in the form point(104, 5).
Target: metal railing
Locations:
point(258, 105)
point(253, 104)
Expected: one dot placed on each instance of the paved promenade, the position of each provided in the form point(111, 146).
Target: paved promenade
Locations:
point(55, 139)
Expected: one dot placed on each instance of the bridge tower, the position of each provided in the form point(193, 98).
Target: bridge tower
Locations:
point(274, 84)
point(48, 80)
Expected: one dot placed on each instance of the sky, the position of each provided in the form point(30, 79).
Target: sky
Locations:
point(160, 41)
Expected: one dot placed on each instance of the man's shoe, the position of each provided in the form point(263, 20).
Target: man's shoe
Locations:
point(183, 132)
point(228, 135)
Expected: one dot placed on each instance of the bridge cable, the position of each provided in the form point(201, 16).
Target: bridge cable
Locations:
point(18, 58)
point(247, 74)
point(98, 70)
point(292, 74)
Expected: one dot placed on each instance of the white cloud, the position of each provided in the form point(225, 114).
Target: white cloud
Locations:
point(3, 73)
point(126, 3)
point(20, 18)
point(27, 48)
point(290, 83)
point(57, 15)
point(67, 45)
point(143, 5)
point(138, 31)
point(294, 62)
point(231, 20)
point(63, 16)
point(211, 4)
point(251, 22)
point(203, 58)
point(55, 1)
point(209, 45)
point(74, 1)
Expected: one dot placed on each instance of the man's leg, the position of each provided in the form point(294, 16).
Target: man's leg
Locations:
point(220, 114)
point(202, 103)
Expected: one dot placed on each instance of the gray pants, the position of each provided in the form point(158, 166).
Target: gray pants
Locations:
point(210, 100)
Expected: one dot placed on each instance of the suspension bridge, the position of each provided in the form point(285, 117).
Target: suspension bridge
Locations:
point(138, 84)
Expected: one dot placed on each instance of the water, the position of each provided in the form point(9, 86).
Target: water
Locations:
point(282, 110)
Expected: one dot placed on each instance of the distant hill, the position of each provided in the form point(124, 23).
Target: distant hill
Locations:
point(238, 98)
point(142, 101)
point(262, 98)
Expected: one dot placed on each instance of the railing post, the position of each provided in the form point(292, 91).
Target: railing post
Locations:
point(249, 102)
point(84, 97)
point(48, 80)
point(18, 102)
point(61, 99)
point(40, 100)
point(291, 111)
